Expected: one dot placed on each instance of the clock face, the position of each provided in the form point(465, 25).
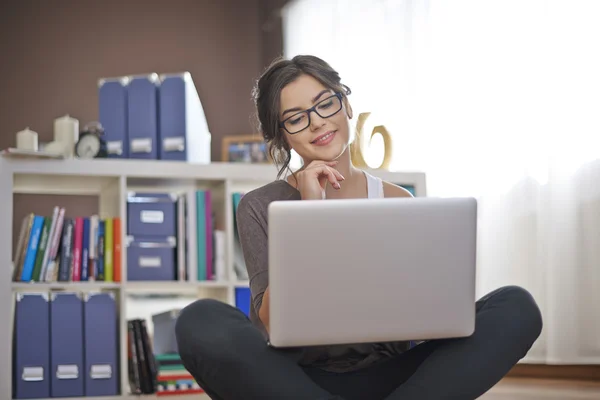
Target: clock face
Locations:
point(88, 146)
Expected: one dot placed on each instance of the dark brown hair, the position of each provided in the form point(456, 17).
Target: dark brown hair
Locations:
point(266, 95)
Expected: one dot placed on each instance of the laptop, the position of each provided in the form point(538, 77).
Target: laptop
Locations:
point(371, 270)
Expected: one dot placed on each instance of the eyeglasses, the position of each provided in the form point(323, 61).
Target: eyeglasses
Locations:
point(325, 108)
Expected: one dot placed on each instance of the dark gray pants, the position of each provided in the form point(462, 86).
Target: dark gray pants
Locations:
point(230, 360)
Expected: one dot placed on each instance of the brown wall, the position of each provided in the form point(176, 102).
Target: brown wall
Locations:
point(53, 52)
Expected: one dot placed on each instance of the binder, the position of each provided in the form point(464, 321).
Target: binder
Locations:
point(164, 339)
point(66, 345)
point(31, 346)
point(112, 104)
point(100, 344)
point(142, 116)
point(184, 133)
point(242, 299)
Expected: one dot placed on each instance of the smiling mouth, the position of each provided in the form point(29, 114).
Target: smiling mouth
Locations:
point(323, 138)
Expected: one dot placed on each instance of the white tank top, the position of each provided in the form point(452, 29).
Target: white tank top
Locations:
point(374, 186)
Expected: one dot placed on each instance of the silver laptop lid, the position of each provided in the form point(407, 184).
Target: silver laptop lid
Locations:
point(371, 270)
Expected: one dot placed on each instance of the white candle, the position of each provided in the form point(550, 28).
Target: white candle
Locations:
point(66, 131)
point(27, 140)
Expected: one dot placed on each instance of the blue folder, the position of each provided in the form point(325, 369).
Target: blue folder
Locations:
point(112, 114)
point(142, 116)
point(32, 344)
point(66, 345)
point(183, 133)
point(242, 300)
point(100, 344)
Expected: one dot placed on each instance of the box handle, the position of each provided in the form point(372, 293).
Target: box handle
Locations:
point(67, 371)
point(169, 243)
point(33, 374)
point(141, 145)
point(115, 147)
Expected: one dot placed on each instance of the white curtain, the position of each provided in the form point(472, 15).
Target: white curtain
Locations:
point(499, 100)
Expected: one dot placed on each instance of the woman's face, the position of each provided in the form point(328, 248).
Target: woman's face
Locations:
point(317, 137)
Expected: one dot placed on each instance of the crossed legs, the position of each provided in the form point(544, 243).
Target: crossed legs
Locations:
point(230, 359)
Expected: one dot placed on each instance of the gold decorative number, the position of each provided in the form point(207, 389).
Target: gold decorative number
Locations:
point(362, 142)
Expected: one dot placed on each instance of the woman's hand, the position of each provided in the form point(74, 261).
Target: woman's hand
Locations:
point(312, 180)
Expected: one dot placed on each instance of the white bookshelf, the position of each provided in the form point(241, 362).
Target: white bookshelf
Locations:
point(110, 180)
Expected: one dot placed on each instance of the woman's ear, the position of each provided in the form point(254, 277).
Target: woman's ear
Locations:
point(348, 108)
point(285, 140)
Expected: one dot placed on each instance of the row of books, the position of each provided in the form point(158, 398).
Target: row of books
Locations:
point(140, 357)
point(65, 345)
point(55, 248)
point(189, 220)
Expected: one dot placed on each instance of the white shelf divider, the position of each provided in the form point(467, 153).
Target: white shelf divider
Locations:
point(110, 180)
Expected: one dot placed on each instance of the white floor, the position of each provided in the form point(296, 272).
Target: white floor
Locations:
point(528, 389)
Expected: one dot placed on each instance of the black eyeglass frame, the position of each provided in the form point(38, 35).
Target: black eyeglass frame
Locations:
point(310, 110)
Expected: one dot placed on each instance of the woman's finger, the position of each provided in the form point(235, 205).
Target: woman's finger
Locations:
point(330, 175)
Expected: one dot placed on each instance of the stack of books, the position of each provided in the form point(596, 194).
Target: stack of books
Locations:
point(172, 376)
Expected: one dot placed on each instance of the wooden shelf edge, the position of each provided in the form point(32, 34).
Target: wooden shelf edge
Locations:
point(558, 372)
point(66, 286)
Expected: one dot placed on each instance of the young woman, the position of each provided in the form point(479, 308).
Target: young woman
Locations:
point(303, 106)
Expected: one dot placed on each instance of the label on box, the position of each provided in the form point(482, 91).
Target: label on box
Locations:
point(149, 262)
point(152, 217)
point(114, 147)
point(174, 143)
point(70, 371)
point(141, 145)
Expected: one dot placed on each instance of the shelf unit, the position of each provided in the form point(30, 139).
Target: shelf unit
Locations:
point(110, 180)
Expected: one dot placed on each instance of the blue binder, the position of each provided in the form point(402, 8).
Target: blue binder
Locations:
point(242, 299)
point(32, 344)
point(184, 133)
point(66, 345)
point(112, 114)
point(142, 116)
point(100, 344)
